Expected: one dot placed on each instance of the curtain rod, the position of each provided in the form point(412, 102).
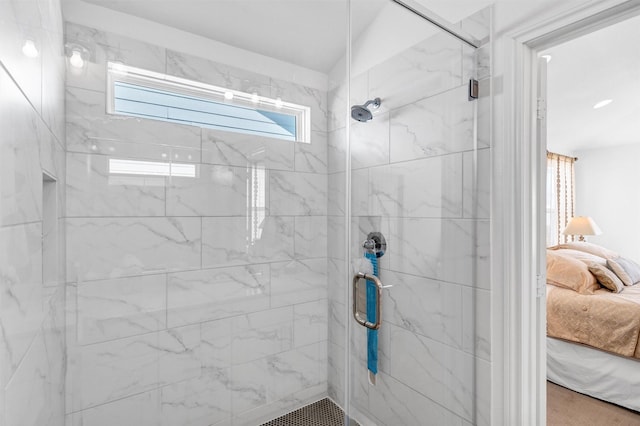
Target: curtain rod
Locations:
point(561, 155)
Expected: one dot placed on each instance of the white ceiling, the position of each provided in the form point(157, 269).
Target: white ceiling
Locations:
point(601, 65)
point(309, 33)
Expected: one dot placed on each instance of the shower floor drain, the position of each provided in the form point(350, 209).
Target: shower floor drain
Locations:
point(321, 413)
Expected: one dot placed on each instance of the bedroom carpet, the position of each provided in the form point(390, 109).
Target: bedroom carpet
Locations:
point(568, 408)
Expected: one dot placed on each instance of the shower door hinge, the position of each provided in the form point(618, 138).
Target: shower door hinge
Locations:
point(473, 89)
point(541, 108)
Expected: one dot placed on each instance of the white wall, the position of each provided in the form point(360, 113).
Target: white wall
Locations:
point(607, 190)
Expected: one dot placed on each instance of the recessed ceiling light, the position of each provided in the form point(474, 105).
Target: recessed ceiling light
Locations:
point(602, 103)
point(547, 57)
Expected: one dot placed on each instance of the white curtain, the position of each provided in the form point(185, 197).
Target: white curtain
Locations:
point(560, 196)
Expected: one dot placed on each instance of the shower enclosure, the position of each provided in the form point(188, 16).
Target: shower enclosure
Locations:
point(205, 276)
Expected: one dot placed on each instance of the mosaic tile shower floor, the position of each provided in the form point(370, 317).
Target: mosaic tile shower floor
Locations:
point(320, 413)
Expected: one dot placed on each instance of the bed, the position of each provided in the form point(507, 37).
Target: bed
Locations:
point(593, 325)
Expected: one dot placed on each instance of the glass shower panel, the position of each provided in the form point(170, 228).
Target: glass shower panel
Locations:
point(201, 297)
point(418, 175)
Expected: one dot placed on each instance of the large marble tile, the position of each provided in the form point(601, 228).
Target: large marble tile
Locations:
point(104, 46)
point(477, 184)
point(362, 201)
point(423, 306)
point(99, 248)
point(295, 93)
point(91, 130)
point(292, 193)
point(335, 374)
point(298, 369)
point(215, 344)
point(310, 237)
point(431, 66)
point(29, 398)
point(359, 374)
point(336, 150)
point(53, 333)
point(449, 249)
point(228, 241)
point(439, 372)
point(339, 320)
point(53, 71)
point(337, 232)
point(221, 75)
point(476, 326)
point(112, 309)
point(394, 403)
point(240, 149)
point(336, 197)
point(436, 125)
point(430, 187)
point(179, 355)
point(92, 190)
point(261, 334)
point(337, 102)
point(370, 142)
point(139, 410)
point(337, 277)
point(310, 323)
point(298, 281)
point(22, 296)
point(312, 157)
point(203, 401)
point(20, 173)
point(203, 194)
point(276, 377)
point(106, 372)
point(275, 409)
point(209, 294)
point(249, 384)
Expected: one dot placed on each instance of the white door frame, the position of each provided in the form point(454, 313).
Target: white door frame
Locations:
point(518, 234)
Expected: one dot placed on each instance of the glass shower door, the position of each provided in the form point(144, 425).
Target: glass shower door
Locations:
point(418, 172)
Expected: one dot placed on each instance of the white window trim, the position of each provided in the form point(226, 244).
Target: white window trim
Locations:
point(117, 72)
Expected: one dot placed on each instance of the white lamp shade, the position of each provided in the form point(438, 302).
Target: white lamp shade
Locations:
point(582, 225)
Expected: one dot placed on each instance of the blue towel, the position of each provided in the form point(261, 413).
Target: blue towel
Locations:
point(372, 335)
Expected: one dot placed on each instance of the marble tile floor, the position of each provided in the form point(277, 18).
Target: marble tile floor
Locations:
point(321, 413)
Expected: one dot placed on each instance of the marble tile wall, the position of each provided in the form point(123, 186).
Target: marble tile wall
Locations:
point(186, 305)
point(32, 302)
point(418, 177)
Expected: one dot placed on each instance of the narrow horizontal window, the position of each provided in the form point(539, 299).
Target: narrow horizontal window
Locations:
point(147, 94)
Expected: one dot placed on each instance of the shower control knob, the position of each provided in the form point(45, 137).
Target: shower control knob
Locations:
point(369, 245)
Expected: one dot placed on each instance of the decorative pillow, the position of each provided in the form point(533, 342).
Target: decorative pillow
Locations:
point(588, 248)
point(606, 277)
point(626, 269)
point(583, 256)
point(567, 272)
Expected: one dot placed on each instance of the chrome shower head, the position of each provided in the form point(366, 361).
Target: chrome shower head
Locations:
point(362, 113)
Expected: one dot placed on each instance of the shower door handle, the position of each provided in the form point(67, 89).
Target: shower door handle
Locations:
point(363, 321)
